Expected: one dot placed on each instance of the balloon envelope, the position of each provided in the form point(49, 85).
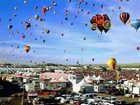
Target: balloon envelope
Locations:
point(135, 24)
point(27, 48)
point(112, 63)
point(124, 17)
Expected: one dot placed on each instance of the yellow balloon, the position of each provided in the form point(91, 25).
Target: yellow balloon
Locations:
point(112, 63)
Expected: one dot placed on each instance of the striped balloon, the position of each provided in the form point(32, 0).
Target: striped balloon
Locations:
point(124, 17)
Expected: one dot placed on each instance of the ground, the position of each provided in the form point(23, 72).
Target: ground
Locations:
point(18, 100)
point(130, 100)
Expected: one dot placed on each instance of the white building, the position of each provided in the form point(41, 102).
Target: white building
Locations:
point(30, 87)
point(136, 90)
point(83, 86)
point(75, 78)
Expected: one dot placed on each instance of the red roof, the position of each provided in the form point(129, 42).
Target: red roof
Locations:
point(51, 75)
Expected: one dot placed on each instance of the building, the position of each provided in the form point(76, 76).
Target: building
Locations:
point(30, 87)
point(53, 75)
point(83, 87)
point(99, 88)
point(75, 78)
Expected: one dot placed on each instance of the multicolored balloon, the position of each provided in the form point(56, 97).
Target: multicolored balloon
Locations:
point(124, 17)
point(100, 21)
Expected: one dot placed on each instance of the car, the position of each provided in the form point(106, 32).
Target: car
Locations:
point(100, 97)
point(90, 95)
point(63, 100)
point(112, 98)
point(91, 100)
point(75, 102)
point(109, 91)
point(120, 102)
point(117, 92)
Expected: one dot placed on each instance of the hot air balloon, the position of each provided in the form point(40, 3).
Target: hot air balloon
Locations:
point(28, 25)
point(71, 24)
point(47, 31)
point(44, 9)
point(69, 1)
point(54, 12)
point(66, 12)
point(25, 1)
point(86, 24)
point(77, 62)
point(86, 3)
point(100, 21)
point(87, 12)
point(27, 48)
point(54, 3)
point(138, 48)
point(36, 7)
point(112, 63)
point(62, 34)
point(124, 17)
point(44, 41)
point(84, 38)
point(15, 8)
point(135, 24)
point(23, 36)
point(36, 17)
point(66, 18)
point(17, 47)
point(102, 6)
point(92, 59)
point(10, 27)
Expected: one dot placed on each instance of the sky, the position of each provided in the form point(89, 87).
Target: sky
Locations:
point(119, 42)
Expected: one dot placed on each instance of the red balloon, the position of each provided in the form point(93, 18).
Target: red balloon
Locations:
point(44, 9)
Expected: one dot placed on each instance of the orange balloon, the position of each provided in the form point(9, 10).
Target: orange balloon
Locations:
point(27, 48)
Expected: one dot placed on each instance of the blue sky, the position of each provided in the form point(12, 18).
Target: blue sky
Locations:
point(120, 41)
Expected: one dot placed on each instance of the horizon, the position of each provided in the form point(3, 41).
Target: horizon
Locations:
point(70, 42)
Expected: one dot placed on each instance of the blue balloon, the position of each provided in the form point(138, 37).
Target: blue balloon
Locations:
point(135, 24)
